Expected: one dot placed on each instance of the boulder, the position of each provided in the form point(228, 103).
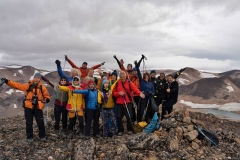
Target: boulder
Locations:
point(191, 135)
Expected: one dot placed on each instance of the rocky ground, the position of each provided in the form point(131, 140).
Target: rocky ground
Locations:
point(176, 139)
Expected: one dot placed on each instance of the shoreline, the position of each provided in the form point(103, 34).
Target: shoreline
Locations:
point(204, 110)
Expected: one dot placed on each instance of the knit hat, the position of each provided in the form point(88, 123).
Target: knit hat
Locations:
point(115, 73)
point(37, 75)
point(153, 71)
point(90, 82)
point(134, 69)
point(85, 63)
point(104, 80)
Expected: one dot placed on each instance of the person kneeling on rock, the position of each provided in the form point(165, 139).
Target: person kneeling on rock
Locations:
point(36, 95)
point(74, 106)
point(93, 98)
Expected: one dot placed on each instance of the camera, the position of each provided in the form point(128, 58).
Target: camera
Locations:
point(34, 100)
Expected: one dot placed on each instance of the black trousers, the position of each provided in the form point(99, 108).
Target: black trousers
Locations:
point(134, 115)
point(58, 112)
point(121, 112)
point(169, 105)
point(29, 114)
point(92, 114)
point(144, 102)
point(72, 122)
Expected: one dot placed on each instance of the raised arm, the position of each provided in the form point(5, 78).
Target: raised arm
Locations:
point(97, 66)
point(64, 88)
point(118, 62)
point(71, 63)
point(178, 73)
point(60, 71)
point(17, 85)
point(47, 81)
point(138, 72)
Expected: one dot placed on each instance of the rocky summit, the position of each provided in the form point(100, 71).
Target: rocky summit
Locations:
point(176, 139)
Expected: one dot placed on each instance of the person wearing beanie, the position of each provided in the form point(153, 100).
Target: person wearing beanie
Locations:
point(93, 98)
point(83, 68)
point(153, 78)
point(60, 111)
point(75, 106)
point(103, 74)
point(108, 114)
point(33, 103)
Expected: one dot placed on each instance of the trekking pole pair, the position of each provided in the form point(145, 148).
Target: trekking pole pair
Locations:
point(130, 118)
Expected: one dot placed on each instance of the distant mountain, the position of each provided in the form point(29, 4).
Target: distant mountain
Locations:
point(194, 85)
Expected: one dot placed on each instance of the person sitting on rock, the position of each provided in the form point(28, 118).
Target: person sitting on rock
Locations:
point(60, 111)
point(74, 72)
point(122, 91)
point(75, 107)
point(82, 69)
point(93, 98)
point(36, 95)
point(172, 93)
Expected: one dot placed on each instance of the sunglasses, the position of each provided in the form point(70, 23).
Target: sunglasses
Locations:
point(76, 80)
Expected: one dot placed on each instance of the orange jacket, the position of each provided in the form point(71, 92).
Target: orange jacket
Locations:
point(82, 70)
point(42, 95)
point(135, 80)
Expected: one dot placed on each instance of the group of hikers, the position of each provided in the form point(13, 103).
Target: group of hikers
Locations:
point(83, 98)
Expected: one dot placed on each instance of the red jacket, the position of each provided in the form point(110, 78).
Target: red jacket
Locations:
point(119, 87)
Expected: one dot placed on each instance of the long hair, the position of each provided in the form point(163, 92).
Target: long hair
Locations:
point(146, 74)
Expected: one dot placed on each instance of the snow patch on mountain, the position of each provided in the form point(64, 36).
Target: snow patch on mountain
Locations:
point(20, 71)
point(10, 91)
point(36, 71)
point(19, 91)
point(13, 66)
point(230, 88)
point(181, 80)
point(225, 107)
point(207, 75)
point(14, 74)
point(14, 105)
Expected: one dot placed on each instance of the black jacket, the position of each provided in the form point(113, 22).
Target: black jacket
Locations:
point(160, 88)
point(173, 95)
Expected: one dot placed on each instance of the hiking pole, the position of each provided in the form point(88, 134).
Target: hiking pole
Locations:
point(128, 112)
point(145, 110)
point(64, 63)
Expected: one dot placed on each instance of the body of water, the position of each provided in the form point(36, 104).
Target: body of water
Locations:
point(229, 115)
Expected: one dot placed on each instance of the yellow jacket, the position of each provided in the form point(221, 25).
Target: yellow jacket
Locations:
point(110, 102)
point(75, 101)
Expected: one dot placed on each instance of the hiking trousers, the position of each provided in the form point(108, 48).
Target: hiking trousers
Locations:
point(60, 111)
point(29, 114)
point(144, 103)
point(108, 115)
point(92, 114)
point(121, 112)
point(169, 105)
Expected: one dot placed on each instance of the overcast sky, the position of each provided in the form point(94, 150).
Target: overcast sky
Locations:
point(202, 34)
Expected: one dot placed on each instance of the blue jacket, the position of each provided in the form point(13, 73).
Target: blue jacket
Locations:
point(62, 74)
point(93, 97)
point(146, 87)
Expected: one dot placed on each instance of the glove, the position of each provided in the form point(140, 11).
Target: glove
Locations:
point(102, 63)
point(181, 70)
point(115, 56)
point(136, 65)
point(4, 80)
point(66, 58)
point(47, 100)
point(144, 57)
point(58, 62)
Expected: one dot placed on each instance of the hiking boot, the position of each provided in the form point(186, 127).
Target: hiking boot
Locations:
point(81, 135)
point(120, 133)
point(130, 132)
point(30, 140)
point(64, 134)
point(57, 133)
point(70, 135)
point(97, 136)
point(43, 139)
point(87, 137)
